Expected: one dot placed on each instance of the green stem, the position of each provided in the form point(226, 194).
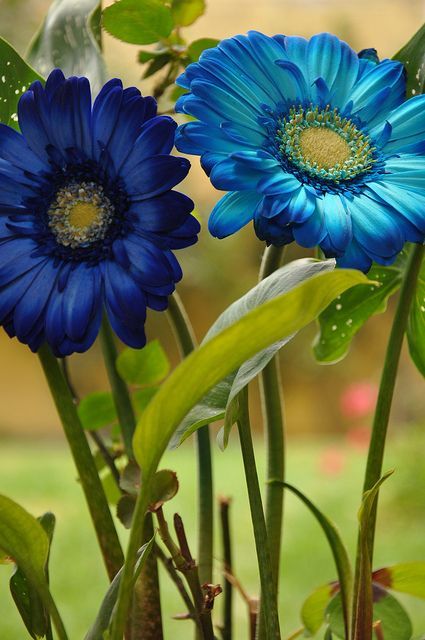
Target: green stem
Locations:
point(268, 590)
point(120, 392)
point(187, 342)
point(50, 605)
point(388, 379)
point(383, 406)
point(92, 487)
point(272, 406)
point(226, 631)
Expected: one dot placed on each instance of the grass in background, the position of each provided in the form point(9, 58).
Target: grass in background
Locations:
point(40, 476)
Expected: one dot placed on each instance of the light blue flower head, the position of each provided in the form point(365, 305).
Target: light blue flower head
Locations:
point(314, 142)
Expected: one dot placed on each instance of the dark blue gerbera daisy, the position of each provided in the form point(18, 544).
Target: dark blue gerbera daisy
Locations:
point(88, 218)
point(314, 142)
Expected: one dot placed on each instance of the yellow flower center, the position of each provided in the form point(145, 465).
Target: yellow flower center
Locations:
point(80, 214)
point(324, 147)
point(83, 214)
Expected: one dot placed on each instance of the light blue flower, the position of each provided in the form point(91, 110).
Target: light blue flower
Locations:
point(314, 142)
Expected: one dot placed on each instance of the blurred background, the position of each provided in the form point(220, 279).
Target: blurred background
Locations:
point(328, 409)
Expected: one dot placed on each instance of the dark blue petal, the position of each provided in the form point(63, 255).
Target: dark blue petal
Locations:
point(156, 138)
point(162, 213)
point(155, 175)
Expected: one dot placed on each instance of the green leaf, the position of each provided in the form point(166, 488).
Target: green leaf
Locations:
point(347, 314)
point(313, 611)
point(416, 323)
point(112, 492)
point(97, 410)
point(192, 379)
point(142, 397)
point(186, 12)
point(395, 623)
point(149, 365)
point(130, 478)
point(339, 552)
point(412, 55)
point(15, 78)
point(27, 600)
point(69, 39)
point(363, 596)
point(165, 487)
point(195, 49)
point(213, 406)
point(138, 21)
point(125, 509)
point(146, 56)
point(103, 618)
point(157, 64)
point(406, 577)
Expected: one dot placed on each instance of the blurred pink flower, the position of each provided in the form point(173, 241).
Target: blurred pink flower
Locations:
point(358, 399)
point(332, 461)
point(358, 437)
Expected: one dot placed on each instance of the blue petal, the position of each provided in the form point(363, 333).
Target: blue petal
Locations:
point(241, 172)
point(378, 92)
point(375, 228)
point(124, 295)
point(232, 212)
point(354, 258)
point(406, 171)
point(32, 126)
point(162, 213)
point(14, 149)
point(334, 61)
point(156, 138)
point(79, 299)
point(278, 183)
point(106, 110)
point(30, 307)
point(311, 232)
point(409, 207)
point(337, 222)
point(301, 205)
point(408, 126)
point(155, 175)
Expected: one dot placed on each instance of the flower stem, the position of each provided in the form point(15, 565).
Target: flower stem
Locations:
point(187, 342)
point(92, 487)
point(226, 631)
point(272, 402)
point(120, 393)
point(383, 406)
point(268, 590)
point(388, 379)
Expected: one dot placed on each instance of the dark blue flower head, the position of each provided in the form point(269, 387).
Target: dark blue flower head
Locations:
point(314, 143)
point(88, 217)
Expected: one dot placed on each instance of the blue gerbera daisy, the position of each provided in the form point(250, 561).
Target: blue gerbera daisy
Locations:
point(314, 142)
point(88, 218)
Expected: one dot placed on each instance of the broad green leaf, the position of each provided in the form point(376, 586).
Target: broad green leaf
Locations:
point(69, 39)
point(142, 397)
point(130, 478)
point(97, 410)
point(406, 577)
point(412, 55)
point(195, 49)
point(205, 367)
point(339, 552)
point(186, 12)
point(416, 323)
point(26, 598)
point(138, 21)
point(23, 538)
point(363, 596)
point(213, 406)
point(149, 365)
point(347, 314)
point(103, 619)
point(15, 77)
point(313, 611)
point(125, 509)
point(395, 623)
point(165, 487)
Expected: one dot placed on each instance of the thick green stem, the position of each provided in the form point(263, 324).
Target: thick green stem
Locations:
point(120, 393)
point(268, 590)
point(388, 379)
point(383, 406)
point(272, 405)
point(226, 631)
point(92, 487)
point(187, 342)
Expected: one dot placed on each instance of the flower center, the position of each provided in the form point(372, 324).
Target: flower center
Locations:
point(80, 214)
point(324, 145)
